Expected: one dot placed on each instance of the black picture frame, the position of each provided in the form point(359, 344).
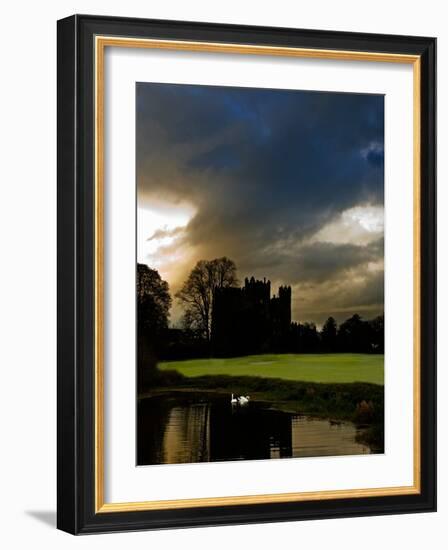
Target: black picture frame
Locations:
point(76, 480)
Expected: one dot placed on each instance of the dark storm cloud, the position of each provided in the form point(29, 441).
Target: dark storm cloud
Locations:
point(316, 262)
point(265, 170)
point(325, 260)
point(340, 299)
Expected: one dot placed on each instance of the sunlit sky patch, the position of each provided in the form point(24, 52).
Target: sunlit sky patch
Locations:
point(289, 184)
point(357, 225)
point(161, 238)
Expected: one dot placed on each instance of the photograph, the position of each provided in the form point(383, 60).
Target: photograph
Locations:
point(246, 273)
point(259, 273)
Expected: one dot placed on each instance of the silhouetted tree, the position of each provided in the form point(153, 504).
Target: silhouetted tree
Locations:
point(196, 294)
point(310, 338)
point(153, 304)
point(353, 335)
point(153, 300)
point(304, 338)
point(329, 335)
point(377, 334)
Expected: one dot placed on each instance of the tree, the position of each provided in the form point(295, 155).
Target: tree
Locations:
point(153, 300)
point(353, 335)
point(153, 305)
point(329, 335)
point(309, 337)
point(304, 338)
point(196, 294)
point(377, 334)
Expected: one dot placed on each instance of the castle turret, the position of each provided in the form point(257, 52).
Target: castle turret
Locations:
point(248, 321)
point(284, 296)
point(259, 291)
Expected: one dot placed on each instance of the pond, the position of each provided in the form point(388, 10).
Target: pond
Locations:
point(187, 427)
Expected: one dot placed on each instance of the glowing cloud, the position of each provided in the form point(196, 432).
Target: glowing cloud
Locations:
point(359, 225)
point(160, 232)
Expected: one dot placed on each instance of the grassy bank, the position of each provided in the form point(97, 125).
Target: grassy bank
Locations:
point(325, 368)
point(338, 401)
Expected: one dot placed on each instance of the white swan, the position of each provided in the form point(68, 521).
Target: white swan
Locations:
point(243, 399)
point(233, 400)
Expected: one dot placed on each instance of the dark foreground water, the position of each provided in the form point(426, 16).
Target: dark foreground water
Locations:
point(189, 427)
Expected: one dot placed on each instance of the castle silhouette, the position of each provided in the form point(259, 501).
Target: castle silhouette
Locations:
point(248, 321)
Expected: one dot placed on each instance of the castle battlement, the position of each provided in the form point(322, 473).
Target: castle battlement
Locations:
point(248, 320)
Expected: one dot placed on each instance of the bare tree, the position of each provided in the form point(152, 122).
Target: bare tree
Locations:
point(196, 294)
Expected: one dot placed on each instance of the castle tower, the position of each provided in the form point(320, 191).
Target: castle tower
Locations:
point(284, 296)
point(280, 308)
point(248, 321)
point(257, 291)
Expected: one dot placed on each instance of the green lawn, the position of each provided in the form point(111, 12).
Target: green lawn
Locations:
point(328, 368)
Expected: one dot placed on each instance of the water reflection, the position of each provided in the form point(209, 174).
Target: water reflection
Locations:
point(187, 434)
point(186, 428)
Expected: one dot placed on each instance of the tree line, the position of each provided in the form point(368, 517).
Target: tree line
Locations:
point(354, 335)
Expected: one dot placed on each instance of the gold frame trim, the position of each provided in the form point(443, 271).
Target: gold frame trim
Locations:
point(101, 42)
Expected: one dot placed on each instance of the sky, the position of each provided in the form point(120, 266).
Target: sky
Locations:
point(289, 184)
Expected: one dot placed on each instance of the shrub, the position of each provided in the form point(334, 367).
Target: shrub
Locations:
point(365, 412)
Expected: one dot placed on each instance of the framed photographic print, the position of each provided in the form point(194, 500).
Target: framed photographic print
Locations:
point(246, 274)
